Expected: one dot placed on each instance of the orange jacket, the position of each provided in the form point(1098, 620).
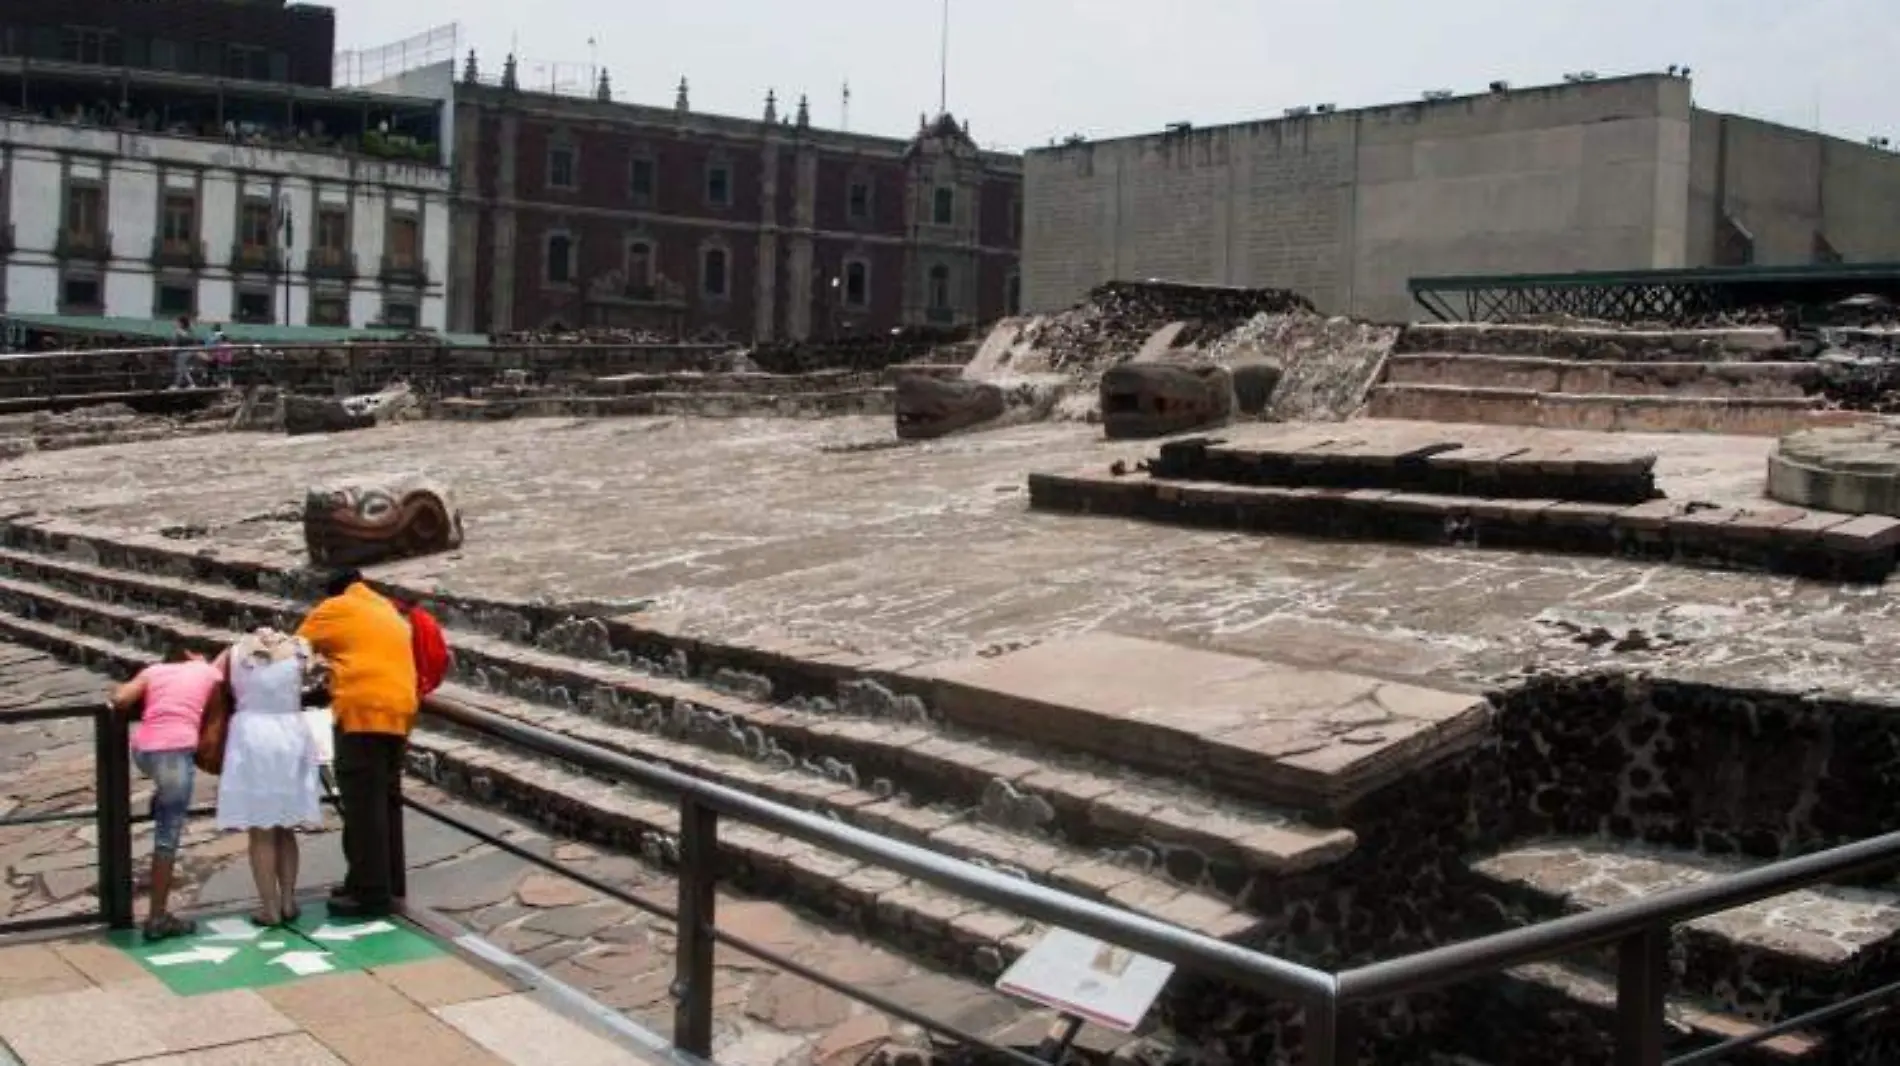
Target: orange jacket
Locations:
point(372, 664)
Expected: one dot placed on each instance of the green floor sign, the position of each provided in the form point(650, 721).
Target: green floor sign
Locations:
point(230, 952)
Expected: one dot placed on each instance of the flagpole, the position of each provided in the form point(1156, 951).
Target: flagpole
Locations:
point(943, 63)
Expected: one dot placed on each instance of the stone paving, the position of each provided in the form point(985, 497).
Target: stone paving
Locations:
point(751, 527)
point(607, 950)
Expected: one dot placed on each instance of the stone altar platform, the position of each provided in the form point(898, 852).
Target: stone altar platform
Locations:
point(1282, 733)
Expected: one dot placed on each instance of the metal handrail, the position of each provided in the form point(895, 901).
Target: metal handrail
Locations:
point(1170, 943)
point(1435, 967)
point(1640, 928)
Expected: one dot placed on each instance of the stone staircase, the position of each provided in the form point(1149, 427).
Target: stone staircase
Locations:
point(832, 740)
point(1741, 381)
point(1166, 817)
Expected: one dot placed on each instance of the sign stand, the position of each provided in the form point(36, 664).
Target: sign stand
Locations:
point(1084, 980)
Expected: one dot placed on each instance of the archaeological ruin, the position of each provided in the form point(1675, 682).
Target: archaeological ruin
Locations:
point(1327, 638)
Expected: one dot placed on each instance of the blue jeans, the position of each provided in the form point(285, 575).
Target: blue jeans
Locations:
point(172, 774)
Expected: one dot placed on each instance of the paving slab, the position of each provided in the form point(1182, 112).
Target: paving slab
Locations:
point(1294, 734)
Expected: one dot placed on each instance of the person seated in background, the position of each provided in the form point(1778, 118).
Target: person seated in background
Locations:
point(173, 695)
point(374, 698)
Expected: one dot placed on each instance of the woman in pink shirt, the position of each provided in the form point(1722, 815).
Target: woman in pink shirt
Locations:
point(173, 694)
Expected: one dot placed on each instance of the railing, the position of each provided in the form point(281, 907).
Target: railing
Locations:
point(1331, 1002)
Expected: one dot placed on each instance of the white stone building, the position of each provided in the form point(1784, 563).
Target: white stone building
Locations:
point(101, 221)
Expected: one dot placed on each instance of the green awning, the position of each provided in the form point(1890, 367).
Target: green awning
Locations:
point(160, 330)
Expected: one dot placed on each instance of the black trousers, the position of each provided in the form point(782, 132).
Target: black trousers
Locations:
point(369, 783)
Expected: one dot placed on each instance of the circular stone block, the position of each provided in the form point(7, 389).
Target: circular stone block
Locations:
point(1849, 469)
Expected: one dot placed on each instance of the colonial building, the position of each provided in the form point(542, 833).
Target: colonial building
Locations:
point(141, 176)
point(587, 212)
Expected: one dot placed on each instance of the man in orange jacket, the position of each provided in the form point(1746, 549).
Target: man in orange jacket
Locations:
point(373, 699)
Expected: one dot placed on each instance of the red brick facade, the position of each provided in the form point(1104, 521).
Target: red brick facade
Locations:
point(589, 213)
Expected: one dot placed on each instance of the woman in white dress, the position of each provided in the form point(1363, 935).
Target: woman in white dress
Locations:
point(269, 785)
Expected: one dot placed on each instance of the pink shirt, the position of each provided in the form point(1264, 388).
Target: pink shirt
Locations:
point(175, 695)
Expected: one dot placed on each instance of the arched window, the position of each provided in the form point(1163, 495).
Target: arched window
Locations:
point(640, 266)
point(939, 288)
point(560, 267)
point(857, 283)
point(712, 273)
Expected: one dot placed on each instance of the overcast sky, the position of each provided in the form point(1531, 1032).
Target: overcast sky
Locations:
point(1025, 71)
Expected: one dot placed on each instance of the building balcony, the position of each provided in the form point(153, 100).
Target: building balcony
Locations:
point(330, 263)
point(405, 270)
point(257, 257)
point(189, 254)
point(93, 246)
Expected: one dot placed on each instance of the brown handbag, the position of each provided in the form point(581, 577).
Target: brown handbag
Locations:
point(215, 727)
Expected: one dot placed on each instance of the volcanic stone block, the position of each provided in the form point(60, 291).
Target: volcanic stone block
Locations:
point(1253, 386)
point(357, 524)
point(320, 414)
point(1141, 400)
point(1849, 469)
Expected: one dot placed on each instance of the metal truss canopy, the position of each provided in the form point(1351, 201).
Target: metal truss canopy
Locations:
point(1651, 295)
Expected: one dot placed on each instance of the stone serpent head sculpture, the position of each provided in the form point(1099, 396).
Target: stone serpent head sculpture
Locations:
point(930, 407)
point(358, 524)
point(1157, 399)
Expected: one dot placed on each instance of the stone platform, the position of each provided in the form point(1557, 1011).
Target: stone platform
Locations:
point(1310, 738)
point(930, 552)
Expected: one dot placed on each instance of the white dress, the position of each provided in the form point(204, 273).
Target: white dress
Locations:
point(270, 757)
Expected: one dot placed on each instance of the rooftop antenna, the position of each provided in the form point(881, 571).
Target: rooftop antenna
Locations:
point(943, 63)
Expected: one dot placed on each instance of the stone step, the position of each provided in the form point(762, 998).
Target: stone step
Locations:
point(875, 400)
point(1743, 416)
point(1769, 960)
point(882, 808)
point(1752, 343)
point(1344, 460)
point(1786, 380)
point(1790, 540)
point(1196, 836)
point(912, 916)
point(1567, 1013)
point(818, 381)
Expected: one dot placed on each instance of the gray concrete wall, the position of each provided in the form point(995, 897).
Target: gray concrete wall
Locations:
point(1346, 207)
point(1785, 187)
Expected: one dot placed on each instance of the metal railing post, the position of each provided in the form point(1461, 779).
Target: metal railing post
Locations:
point(113, 786)
point(693, 976)
point(1331, 1039)
point(1642, 980)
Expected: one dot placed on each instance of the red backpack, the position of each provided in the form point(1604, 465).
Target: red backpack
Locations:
point(430, 646)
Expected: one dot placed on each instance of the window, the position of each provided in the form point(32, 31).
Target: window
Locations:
point(561, 166)
point(1013, 295)
point(253, 305)
point(560, 267)
point(857, 283)
point(333, 229)
point(85, 209)
point(400, 314)
point(175, 300)
point(939, 288)
point(719, 184)
point(254, 227)
point(327, 310)
point(84, 44)
point(181, 220)
point(943, 210)
point(642, 182)
point(79, 294)
point(639, 266)
point(712, 273)
point(404, 242)
point(164, 54)
point(1016, 218)
point(858, 203)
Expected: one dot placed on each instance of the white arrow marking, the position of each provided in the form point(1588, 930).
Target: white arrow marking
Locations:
point(201, 953)
point(304, 963)
point(271, 945)
point(231, 929)
point(352, 932)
